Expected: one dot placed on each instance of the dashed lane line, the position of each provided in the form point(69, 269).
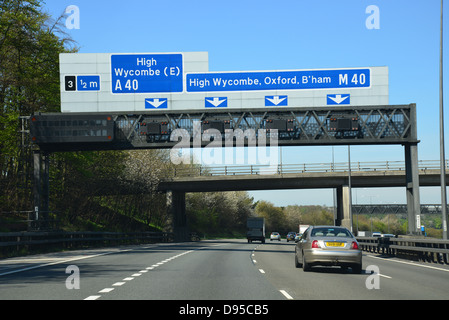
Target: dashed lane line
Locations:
point(285, 293)
point(137, 274)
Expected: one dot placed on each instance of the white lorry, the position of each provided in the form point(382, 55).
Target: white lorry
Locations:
point(302, 228)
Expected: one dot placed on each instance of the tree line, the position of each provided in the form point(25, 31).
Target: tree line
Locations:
point(30, 44)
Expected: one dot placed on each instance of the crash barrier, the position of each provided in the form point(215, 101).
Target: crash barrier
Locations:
point(418, 249)
point(16, 243)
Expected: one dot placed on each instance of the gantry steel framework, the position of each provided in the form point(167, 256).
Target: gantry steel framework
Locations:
point(355, 125)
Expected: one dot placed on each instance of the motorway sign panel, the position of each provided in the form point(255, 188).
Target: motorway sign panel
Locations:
point(279, 80)
point(272, 101)
point(144, 73)
point(216, 102)
point(333, 99)
point(156, 103)
point(133, 82)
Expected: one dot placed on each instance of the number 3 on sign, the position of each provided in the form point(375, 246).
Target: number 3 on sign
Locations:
point(129, 85)
point(70, 83)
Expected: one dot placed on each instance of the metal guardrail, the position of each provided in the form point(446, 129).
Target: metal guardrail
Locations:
point(281, 169)
point(427, 250)
point(14, 242)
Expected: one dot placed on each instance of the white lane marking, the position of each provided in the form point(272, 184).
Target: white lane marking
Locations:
point(410, 263)
point(61, 260)
point(55, 262)
point(382, 275)
point(285, 293)
point(118, 284)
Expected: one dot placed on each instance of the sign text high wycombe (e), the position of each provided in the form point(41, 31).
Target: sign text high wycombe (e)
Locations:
point(105, 82)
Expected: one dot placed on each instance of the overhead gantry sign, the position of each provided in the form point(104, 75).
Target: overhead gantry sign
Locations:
point(172, 100)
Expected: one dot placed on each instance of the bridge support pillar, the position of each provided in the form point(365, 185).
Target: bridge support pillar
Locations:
point(39, 218)
point(176, 206)
point(343, 214)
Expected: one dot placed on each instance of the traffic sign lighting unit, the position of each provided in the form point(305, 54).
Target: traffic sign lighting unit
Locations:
point(71, 128)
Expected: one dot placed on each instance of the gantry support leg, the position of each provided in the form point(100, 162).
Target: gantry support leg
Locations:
point(343, 216)
point(412, 189)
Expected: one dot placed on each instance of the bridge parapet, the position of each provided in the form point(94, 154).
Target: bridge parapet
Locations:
point(281, 169)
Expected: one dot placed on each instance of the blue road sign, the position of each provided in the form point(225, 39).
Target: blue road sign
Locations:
point(338, 99)
point(216, 102)
point(278, 80)
point(146, 73)
point(271, 101)
point(88, 83)
point(156, 103)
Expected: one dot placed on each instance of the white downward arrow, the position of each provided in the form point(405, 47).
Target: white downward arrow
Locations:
point(338, 99)
point(276, 100)
point(216, 101)
point(156, 102)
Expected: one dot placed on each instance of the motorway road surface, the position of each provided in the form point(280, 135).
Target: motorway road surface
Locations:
point(217, 270)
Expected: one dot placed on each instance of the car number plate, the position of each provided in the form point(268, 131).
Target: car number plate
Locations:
point(335, 244)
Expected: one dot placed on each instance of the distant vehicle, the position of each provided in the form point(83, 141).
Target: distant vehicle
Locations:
point(328, 246)
point(291, 236)
point(298, 237)
point(376, 234)
point(388, 235)
point(275, 236)
point(255, 229)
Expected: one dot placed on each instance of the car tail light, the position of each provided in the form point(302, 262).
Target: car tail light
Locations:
point(315, 244)
point(354, 245)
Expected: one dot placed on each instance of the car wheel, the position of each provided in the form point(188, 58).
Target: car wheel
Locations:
point(305, 265)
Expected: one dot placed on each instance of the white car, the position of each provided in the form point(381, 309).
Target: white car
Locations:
point(275, 236)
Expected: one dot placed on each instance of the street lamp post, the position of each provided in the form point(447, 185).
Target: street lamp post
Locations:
point(442, 155)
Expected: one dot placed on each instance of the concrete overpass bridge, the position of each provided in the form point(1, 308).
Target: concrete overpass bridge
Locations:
point(303, 176)
point(299, 176)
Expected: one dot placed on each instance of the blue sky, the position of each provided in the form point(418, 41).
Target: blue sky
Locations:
point(292, 34)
